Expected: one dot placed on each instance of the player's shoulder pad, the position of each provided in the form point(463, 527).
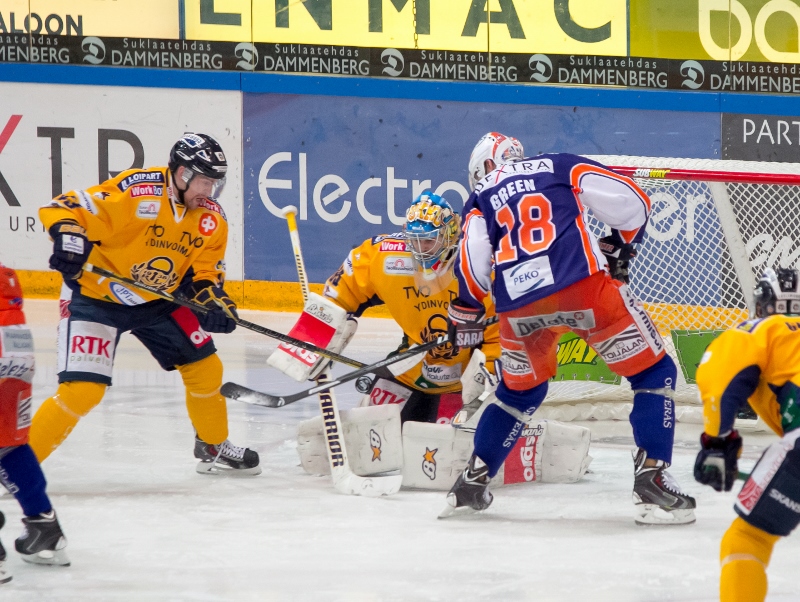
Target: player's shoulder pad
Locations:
point(75, 199)
point(135, 180)
point(213, 206)
point(390, 242)
point(774, 323)
point(749, 326)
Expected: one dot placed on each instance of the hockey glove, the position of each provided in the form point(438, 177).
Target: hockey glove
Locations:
point(619, 255)
point(222, 314)
point(71, 248)
point(717, 462)
point(465, 326)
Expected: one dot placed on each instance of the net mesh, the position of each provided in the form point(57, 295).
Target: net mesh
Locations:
point(705, 246)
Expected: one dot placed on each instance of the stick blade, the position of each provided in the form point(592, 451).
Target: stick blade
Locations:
point(352, 484)
point(246, 395)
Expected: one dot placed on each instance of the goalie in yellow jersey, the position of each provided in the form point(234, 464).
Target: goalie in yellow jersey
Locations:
point(411, 273)
point(756, 362)
point(162, 227)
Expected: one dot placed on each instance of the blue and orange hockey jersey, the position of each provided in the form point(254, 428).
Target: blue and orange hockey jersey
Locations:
point(527, 221)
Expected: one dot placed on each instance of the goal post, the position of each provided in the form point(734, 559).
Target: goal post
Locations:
point(714, 226)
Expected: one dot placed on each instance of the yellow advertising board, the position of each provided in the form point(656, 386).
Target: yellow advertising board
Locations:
point(551, 26)
point(113, 18)
point(723, 30)
point(220, 20)
point(566, 27)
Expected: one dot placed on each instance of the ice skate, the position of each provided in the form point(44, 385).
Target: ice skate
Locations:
point(225, 458)
point(5, 574)
point(470, 492)
point(42, 541)
point(657, 496)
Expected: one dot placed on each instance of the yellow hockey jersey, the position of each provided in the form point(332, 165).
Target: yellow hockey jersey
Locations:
point(141, 231)
point(380, 271)
point(753, 362)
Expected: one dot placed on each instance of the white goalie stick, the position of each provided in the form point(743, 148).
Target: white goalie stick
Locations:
point(344, 479)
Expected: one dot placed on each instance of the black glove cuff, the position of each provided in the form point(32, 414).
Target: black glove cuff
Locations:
point(199, 285)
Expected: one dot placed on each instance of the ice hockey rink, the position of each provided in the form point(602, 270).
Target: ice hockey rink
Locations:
point(143, 525)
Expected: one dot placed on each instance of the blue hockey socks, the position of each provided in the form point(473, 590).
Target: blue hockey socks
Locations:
point(653, 415)
point(499, 428)
point(22, 476)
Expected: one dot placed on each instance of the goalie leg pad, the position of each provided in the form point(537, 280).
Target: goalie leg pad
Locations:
point(548, 452)
point(386, 392)
point(371, 437)
point(434, 455)
point(322, 323)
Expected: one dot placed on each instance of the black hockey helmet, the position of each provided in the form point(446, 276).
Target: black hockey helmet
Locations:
point(777, 293)
point(199, 154)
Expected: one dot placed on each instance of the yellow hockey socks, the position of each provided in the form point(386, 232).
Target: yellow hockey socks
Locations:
point(744, 556)
point(58, 415)
point(207, 409)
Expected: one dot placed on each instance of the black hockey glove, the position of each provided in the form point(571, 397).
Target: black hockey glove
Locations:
point(71, 248)
point(619, 255)
point(465, 326)
point(222, 314)
point(717, 463)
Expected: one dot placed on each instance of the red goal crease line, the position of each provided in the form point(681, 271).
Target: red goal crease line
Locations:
point(707, 175)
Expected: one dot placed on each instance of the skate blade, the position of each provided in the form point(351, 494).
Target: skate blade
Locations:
point(47, 557)
point(351, 484)
point(5, 574)
point(212, 468)
point(450, 508)
point(651, 514)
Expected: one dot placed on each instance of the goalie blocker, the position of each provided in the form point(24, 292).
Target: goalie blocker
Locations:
point(431, 456)
point(322, 323)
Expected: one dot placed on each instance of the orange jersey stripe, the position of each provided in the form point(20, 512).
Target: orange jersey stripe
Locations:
point(591, 260)
point(475, 289)
point(580, 170)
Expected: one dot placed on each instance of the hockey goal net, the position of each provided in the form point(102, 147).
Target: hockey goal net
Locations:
point(714, 226)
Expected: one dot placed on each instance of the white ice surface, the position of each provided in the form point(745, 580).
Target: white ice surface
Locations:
point(143, 525)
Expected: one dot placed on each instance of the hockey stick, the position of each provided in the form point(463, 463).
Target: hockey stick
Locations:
point(344, 479)
point(283, 338)
point(247, 395)
point(251, 396)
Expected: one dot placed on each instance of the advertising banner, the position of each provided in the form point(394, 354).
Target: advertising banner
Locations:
point(716, 45)
point(352, 166)
point(690, 345)
point(577, 361)
point(761, 137)
point(722, 30)
point(557, 26)
point(56, 138)
point(144, 18)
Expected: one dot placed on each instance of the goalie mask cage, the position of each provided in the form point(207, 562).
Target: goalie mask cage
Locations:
point(714, 226)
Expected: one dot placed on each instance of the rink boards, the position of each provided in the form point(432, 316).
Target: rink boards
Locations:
point(352, 164)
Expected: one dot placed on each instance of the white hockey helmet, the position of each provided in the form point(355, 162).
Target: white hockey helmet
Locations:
point(778, 292)
point(494, 146)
